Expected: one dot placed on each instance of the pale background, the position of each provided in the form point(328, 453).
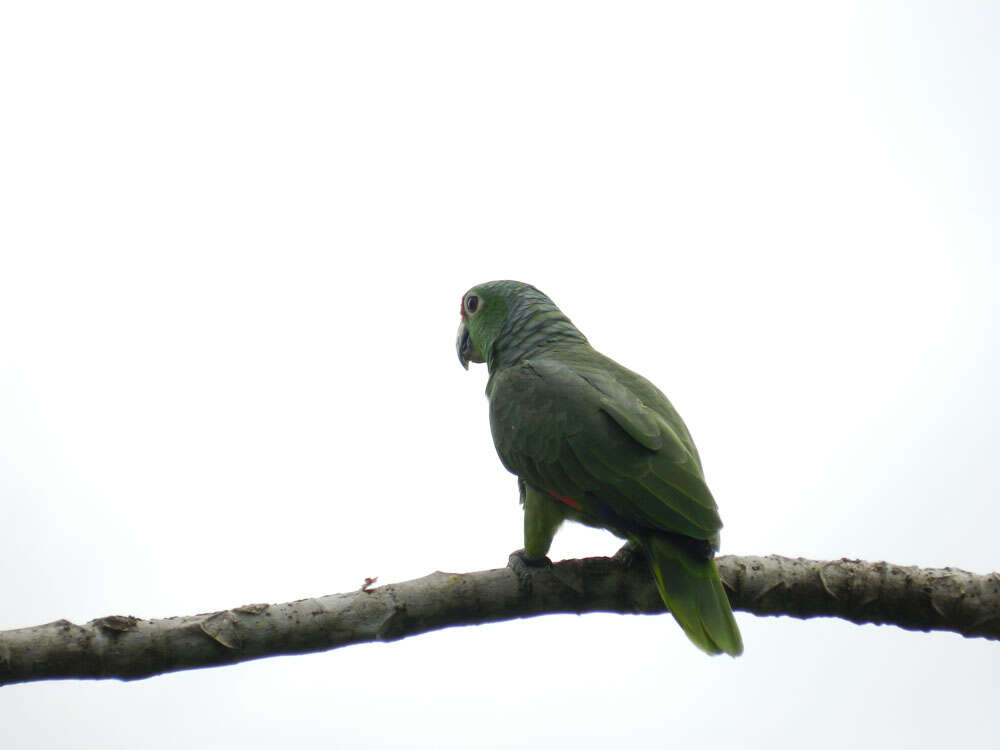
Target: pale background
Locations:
point(233, 241)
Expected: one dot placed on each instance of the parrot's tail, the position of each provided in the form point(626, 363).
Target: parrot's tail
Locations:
point(693, 592)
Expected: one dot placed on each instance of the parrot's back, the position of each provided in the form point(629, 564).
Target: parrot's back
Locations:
point(607, 444)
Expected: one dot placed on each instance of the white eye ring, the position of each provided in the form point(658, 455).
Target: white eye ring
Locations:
point(472, 304)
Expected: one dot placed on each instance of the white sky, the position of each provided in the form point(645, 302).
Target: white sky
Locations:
point(233, 240)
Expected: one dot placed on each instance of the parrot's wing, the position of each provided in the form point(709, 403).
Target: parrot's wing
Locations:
point(575, 431)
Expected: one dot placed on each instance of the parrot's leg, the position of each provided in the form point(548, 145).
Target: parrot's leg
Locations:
point(542, 518)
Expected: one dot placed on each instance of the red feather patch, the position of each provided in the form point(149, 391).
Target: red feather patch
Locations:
point(566, 501)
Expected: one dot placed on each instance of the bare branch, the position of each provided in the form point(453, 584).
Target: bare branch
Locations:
point(129, 648)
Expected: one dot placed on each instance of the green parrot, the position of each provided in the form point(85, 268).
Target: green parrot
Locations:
point(593, 442)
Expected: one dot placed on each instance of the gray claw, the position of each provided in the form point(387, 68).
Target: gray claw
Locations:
point(630, 554)
point(519, 560)
point(525, 567)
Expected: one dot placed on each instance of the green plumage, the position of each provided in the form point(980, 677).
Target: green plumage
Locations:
point(594, 442)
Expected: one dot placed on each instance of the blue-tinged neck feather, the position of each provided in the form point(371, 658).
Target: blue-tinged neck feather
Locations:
point(533, 323)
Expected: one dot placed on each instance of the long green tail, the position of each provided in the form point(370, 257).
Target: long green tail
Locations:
point(693, 592)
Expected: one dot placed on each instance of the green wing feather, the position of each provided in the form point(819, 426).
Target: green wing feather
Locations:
point(574, 429)
point(579, 425)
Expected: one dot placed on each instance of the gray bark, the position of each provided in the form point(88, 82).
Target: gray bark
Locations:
point(128, 648)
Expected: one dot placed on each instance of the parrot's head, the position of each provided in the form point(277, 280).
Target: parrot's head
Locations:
point(499, 318)
point(484, 310)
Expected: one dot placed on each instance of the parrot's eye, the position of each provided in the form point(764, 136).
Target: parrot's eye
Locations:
point(471, 304)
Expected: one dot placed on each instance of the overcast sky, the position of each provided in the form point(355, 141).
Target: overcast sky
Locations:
point(233, 240)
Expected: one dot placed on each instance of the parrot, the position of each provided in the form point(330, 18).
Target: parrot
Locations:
point(593, 442)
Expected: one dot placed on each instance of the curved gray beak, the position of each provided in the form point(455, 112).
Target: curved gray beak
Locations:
point(463, 346)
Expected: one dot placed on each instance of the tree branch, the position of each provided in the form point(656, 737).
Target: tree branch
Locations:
point(128, 648)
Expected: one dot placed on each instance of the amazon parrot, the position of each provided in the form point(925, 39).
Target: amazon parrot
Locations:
point(593, 442)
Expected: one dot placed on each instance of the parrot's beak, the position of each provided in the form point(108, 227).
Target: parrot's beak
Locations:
point(467, 352)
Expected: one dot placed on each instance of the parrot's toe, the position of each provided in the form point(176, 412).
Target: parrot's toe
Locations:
point(525, 567)
point(630, 554)
point(519, 560)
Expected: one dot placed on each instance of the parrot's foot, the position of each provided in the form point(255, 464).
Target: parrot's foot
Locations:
point(519, 560)
point(524, 567)
point(630, 555)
